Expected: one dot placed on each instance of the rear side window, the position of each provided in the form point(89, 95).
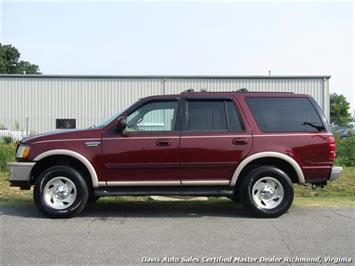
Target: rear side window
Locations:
point(212, 115)
point(284, 114)
point(235, 122)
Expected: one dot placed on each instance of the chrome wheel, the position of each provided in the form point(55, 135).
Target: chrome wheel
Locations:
point(59, 193)
point(267, 193)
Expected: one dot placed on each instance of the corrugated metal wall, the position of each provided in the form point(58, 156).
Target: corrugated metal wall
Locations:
point(92, 99)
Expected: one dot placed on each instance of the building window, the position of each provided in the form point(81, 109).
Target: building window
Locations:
point(65, 123)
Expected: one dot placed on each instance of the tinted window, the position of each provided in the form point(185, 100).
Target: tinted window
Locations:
point(154, 116)
point(206, 115)
point(235, 123)
point(210, 115)
point(284, 114)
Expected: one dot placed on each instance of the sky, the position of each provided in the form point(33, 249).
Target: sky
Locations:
point(185, 38)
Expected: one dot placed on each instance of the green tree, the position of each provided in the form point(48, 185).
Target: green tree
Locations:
point(10, 62)
point(339, 110)
point(345, 150)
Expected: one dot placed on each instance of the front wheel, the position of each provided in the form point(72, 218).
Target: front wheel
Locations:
point(93, 199)
point(267, 192)
point(60, 192)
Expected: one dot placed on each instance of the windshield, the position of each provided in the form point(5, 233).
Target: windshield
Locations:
point(115, 116)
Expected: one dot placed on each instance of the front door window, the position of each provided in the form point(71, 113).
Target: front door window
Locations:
point(155, 116)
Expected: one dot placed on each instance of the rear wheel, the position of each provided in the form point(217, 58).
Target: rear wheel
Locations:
point(60, 192)
point(267, 192)
point(235, 197)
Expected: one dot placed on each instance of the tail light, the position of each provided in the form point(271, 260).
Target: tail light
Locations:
point(332, 147)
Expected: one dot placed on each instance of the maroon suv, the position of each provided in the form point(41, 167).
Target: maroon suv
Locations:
point(250, 147)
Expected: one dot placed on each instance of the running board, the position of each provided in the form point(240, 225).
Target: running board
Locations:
point(165, 191)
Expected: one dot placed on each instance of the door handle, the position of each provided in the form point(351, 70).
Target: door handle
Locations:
point(163, 142)
point(240, 141)
point(92, 143)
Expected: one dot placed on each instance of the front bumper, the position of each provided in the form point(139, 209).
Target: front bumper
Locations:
point(20, 174)
point(335, 173)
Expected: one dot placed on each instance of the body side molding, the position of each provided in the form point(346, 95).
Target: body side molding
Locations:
point(260, 155)
point(75, 155)
point(144, 183)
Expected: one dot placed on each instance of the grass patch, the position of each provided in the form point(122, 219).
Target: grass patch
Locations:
point(340, 192)
point(337, 193)
point(7, 154)
point(125, 199)
point(12, 195)
point(344, 186)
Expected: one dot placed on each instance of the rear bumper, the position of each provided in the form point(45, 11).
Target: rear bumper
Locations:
point(335, 173)
point(20, 173)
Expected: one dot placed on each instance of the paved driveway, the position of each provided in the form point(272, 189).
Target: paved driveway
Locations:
point(127, 233)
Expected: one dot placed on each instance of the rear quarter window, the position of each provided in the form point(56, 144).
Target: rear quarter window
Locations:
point(285, 114)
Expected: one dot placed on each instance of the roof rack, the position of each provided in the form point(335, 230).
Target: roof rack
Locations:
point(188, 91)
point(246, 90)
point(285, 92)
point(241, 90)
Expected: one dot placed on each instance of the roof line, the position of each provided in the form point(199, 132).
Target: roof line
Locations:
point(169, 76)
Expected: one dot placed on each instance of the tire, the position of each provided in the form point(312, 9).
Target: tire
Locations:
point(93, 198)
point(235, 198)
point(267, 192)
point(60, 192)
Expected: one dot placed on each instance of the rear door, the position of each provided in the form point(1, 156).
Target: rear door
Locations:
point(214, 140)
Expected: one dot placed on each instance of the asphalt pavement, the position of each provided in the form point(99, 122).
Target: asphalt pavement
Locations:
point(165, 233)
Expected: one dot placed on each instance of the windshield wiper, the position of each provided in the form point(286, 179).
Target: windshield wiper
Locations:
point(319, 128)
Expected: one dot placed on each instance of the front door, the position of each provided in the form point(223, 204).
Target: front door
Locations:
point(146, 152)
point(213, 141)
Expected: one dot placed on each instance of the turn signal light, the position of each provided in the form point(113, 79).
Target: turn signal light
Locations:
point(23, 152)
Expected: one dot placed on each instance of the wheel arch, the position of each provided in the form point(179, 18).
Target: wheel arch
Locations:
point(73, 155)
point(259, 157)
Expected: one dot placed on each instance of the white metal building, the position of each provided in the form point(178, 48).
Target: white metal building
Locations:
point(37, 102)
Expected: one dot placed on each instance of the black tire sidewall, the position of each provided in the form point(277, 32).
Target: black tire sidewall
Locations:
point(256, 174)
point(75, 177)
point(93, 199)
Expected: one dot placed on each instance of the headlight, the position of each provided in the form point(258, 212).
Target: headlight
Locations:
point(23, 152)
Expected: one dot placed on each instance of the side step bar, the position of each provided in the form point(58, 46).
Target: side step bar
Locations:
point(165, 191)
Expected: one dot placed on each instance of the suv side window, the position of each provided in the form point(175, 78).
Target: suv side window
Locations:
point(154, 116)
point(235, 122)
point(212, 115)
point(284, 114)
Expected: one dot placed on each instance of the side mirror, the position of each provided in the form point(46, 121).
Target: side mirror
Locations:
point(121, 124)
